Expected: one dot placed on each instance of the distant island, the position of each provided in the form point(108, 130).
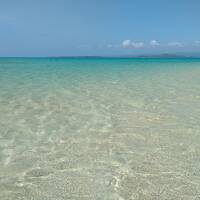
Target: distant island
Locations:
point(165, 55)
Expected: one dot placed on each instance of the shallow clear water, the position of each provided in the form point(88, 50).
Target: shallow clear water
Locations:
point(99, 129)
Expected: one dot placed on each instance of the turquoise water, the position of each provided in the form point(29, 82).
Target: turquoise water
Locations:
point(99, 129)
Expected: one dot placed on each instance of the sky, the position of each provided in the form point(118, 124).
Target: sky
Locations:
point(98, 27)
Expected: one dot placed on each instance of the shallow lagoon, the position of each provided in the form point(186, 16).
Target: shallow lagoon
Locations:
point(99, 129)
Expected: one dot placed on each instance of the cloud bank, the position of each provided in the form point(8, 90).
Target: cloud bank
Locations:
point(130, 44)
point(126, 43)
point(154, 43)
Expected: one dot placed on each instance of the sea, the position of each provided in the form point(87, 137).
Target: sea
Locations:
point(99, 128)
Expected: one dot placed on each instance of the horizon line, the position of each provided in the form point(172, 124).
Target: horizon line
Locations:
point(111, 56)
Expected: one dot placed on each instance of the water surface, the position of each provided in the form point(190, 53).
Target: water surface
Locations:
point(99, 129)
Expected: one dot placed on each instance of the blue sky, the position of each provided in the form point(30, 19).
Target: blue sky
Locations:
point(98, 27)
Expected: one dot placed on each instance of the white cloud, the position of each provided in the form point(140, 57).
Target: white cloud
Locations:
point(126, 43)
point(137, 44)
point(175, 44)
point(130, 44)
point(154, 43)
